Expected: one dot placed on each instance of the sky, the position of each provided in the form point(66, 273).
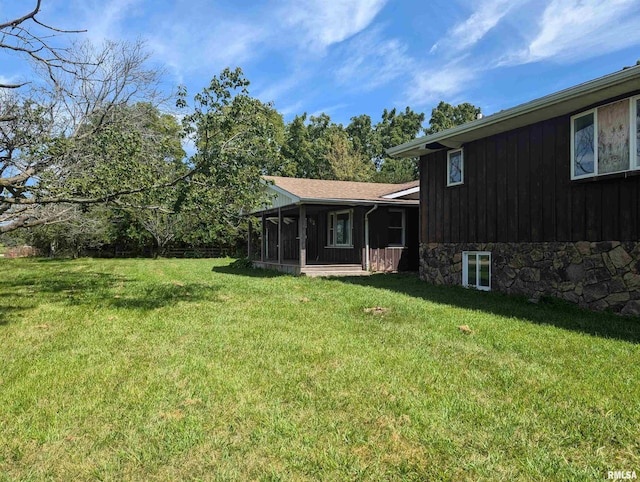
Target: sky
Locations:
point(352, 57)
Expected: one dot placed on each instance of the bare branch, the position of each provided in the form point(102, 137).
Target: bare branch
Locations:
point(31, 37)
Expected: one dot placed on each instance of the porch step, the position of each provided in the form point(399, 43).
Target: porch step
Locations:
point(334, 270)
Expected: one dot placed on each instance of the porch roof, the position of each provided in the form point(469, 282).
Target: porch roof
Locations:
point(290, 191)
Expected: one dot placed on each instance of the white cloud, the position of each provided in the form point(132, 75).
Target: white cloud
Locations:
point(294, 108)
point(469, 32)
point(432, 85)
point(104, 20)
point(372, 61)
point(275, 90)
point(572, 30)
point(190, 47)
point(323, 23)
point(329, 109)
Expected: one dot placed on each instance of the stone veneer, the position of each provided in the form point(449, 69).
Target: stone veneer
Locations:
point(602, 275)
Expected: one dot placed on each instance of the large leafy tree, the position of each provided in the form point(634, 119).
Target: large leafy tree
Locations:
point(236, 138)
point(156, 210)
point(345, 161)
point(396, 128)
point(306, 146)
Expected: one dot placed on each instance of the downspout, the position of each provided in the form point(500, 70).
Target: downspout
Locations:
point(366, 236)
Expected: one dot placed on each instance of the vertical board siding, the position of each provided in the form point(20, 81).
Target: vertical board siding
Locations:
point(502, 215)
point(481, 191)
point(518, 188)
point(562, 168)
point(440, 177)
point(491, 191)
point(536, 171)
point(471, 179)
point(548, 182)
point(511, 181)
point(424, 200)
point(524, 199)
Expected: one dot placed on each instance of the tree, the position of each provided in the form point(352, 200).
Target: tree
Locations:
point(347, 164)
point(396, 128)
point(155, 210)
point(306, 146)
point(231, 131)
point(446, 116)
point(81, 230)
point(361, 133)
point(75, 142)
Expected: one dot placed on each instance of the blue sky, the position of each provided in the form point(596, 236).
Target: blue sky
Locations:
point(354, 57)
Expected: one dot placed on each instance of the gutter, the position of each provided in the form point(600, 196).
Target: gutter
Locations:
point(366, 236)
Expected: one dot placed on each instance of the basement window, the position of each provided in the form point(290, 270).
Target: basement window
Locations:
point(476, 270)
point(455, 168)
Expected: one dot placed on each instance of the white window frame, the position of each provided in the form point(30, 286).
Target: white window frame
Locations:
point(633, 156)
point(465, 269)
point(403, 228)
point(595, 143)
point(331, 233)
point(449, 153)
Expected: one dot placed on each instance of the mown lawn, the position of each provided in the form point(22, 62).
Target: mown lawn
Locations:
point(169, 369)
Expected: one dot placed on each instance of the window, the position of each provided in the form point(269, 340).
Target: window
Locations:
point(340, 224)
point(476, 270)
point(606, 139)
point(396, 229)
point(455, 167)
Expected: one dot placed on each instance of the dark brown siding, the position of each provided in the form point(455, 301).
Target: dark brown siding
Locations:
point(517, 188)
point(393, 259)
point(317, 244)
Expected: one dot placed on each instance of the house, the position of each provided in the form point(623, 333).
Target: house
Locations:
point(312, 226)
point(539, 199)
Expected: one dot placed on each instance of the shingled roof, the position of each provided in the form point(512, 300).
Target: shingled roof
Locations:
point(319, 189)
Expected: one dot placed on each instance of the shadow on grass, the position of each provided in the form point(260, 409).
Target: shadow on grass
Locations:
point(11, 312)
point(93, 289)
point(549, 311)
point(253, 272)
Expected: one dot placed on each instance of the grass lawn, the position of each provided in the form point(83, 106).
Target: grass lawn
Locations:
point(169, 369)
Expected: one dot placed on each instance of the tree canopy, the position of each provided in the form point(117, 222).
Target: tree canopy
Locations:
point(446, 116)
point(92, 146)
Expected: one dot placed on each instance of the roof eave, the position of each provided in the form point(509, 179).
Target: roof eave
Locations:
point(418, 147)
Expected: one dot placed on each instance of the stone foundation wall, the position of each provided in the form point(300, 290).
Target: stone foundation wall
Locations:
point(599, 276)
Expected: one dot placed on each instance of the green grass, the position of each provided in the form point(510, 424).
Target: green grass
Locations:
point(167, 369)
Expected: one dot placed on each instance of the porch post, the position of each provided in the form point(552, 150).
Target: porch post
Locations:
point(302, 228)
point(262, 240)
point(249, 239)
point(280, 243)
